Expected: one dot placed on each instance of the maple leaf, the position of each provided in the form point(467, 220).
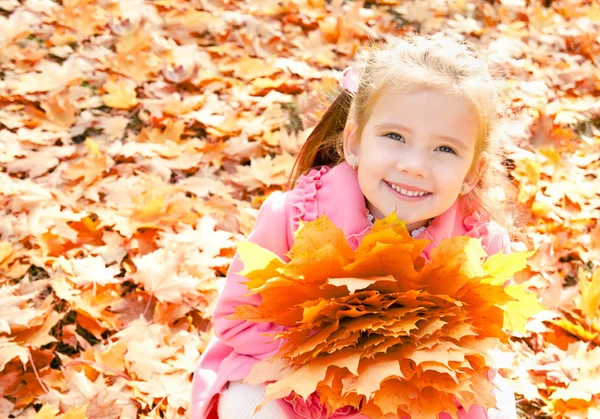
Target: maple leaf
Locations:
point(133, 56)
point(15, 312)
point(9, 350)
point(90, 167)
point(40, 336)
point(590, 294)
point(89, 271)
point(60, 113)
point(47, 412)
point(517, 312)
point(364, 314)
point(121, 94)
point(38, 163)
point(157, 272)
point(84, 17)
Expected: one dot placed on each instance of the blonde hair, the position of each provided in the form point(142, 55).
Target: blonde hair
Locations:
point(424, 63)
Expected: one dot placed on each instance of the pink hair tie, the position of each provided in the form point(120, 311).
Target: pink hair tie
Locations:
point(349, 79)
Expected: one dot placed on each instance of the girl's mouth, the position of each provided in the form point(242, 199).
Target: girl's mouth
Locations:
point(407, 195)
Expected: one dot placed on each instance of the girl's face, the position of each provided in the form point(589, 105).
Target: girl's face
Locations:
point(420, 144)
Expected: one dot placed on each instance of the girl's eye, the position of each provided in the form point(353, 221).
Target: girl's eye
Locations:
point(394, 136)
point(447, 148)
point(398, 137)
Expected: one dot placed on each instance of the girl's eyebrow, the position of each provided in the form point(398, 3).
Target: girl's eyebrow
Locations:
point(454, 141)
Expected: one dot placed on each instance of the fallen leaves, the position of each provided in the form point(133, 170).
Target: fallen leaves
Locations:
point(375, 328)
point(589, 286)
point(120, 94)
point(129, 130)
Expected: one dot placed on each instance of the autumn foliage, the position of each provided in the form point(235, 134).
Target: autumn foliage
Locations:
point(374, 328)
point(139, 138)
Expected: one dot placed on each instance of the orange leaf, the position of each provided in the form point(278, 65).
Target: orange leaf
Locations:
point(378, 307)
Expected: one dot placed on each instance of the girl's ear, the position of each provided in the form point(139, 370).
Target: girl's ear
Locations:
point(351, 144)
point(472, 180)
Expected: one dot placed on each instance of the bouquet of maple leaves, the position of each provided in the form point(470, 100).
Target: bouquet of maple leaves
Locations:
point(377, 328)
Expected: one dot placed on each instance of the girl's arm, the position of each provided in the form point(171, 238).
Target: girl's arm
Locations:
point(246, 338)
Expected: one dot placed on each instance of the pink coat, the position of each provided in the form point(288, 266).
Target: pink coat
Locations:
point(237, 345)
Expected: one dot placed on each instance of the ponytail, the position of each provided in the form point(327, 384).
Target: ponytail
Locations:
point(322, 147)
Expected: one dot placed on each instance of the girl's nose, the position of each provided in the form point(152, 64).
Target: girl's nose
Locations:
point(414, 164)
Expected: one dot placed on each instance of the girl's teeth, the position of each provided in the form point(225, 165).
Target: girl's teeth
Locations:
point(405, 192)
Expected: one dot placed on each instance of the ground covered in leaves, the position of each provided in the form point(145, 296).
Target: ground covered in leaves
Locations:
point(139, 138)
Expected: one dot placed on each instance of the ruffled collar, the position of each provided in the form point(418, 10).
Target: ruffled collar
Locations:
point(335, 191)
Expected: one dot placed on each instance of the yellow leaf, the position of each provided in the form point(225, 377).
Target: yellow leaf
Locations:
point(576, 329)
point(590, 294)
point(258, 262)
point(75, 413)
point(503, 266)
point(518, 312)
point(6, 249)
point(121, 95)
point(93, 147)
point(46, 412)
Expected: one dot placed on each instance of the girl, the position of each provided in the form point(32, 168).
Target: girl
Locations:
point(415, 131)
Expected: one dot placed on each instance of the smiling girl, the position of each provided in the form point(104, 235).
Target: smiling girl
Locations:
point(415, 131)
point(412, 156)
